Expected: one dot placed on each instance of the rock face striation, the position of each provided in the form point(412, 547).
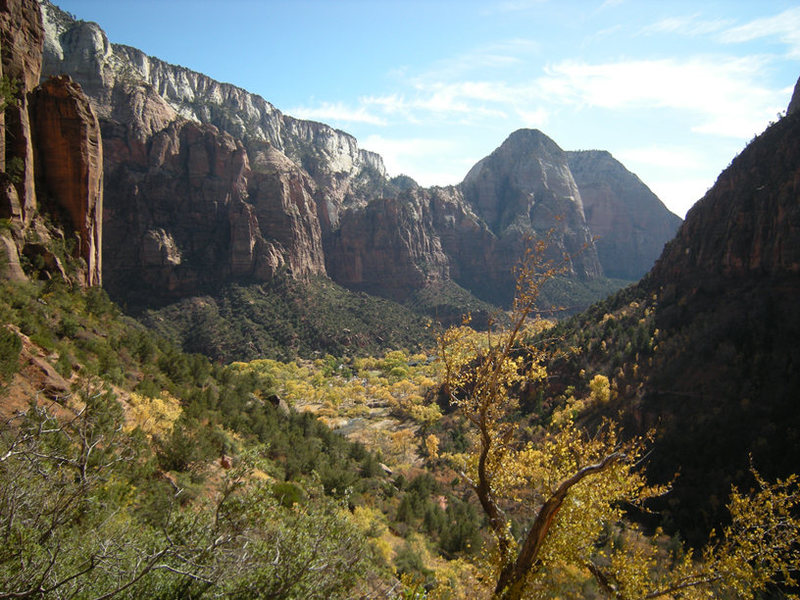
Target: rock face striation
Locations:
point(51, 160)
point(203, 213)
point(207, 183)
point(629, 222)
point(21, 38)
point(69, 153)
point(524, 188)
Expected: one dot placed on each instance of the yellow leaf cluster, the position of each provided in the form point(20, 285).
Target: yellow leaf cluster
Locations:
point(154, 416)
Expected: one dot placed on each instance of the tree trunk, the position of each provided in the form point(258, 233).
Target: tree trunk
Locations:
point(511, 583)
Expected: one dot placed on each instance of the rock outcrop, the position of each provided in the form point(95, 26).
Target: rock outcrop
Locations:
point(21, 39)
point(628, 221)
point(703, 349)
point(390, 247)
point(125, 85)
point(194, 212)
point(69, 152)
point(794, 103)
point(723, 382)
point(51, 159)
point(524, 188)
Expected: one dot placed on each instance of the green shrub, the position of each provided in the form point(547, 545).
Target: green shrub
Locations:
point(68, 327)
point(288, 494)
point(10, 347)
point(409, 561)
point(44, 339)
point(64, 364)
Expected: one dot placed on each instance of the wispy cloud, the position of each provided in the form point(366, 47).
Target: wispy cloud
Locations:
point(425, 159)
point(784, 26)
point(336, 112)
point(681, 193)
point(536, 117)
point(603, 34)
point(721, 93)
point(660, 156)
point(462, 102)
point(714, 100)
point(511, 6)
point(501, 55)
point(690, 25)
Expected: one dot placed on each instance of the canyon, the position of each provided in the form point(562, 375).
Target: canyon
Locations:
point(207, 185)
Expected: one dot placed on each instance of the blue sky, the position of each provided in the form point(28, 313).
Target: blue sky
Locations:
point(674, 90)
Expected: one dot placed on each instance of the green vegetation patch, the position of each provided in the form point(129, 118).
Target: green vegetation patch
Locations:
point(286, 319)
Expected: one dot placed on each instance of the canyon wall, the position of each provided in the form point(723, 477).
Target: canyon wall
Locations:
point(51, 184)
point(208, 184)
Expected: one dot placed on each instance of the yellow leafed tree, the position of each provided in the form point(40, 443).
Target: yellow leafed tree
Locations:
point(154, 416)
point(573, 483)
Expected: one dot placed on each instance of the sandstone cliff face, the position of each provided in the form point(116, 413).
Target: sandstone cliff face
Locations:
point(193, 213)
point(629, 222)
point(69, 158)
point(716, 369)
point(526, 187)
point(52, 152)
point(723, 382)
point(21, 38)
point(182, 213)
point(390, 247)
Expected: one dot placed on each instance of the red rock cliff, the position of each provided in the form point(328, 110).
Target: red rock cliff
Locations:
point(21, 41)
point(53, 154)
point(193, 211)
point(69, 152)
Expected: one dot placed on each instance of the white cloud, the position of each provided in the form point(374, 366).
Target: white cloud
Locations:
point(679, 176)
point(336, 112)
point(721, 95)
point(462, 102)
point(723, 92)
point(511, 6)
point(533, 118)
point(496, 56)
point(691, 25)
point(722, 98)
point(603, 34)
point(660, 156)
point(784, 26)
point(680, 194)
point(429, 161)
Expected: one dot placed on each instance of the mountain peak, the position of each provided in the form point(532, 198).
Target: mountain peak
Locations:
point(524, 141)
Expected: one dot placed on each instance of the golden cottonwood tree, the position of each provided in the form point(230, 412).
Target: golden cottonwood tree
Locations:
point(574, 484)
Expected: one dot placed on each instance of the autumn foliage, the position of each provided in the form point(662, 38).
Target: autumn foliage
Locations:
point(573, 484)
